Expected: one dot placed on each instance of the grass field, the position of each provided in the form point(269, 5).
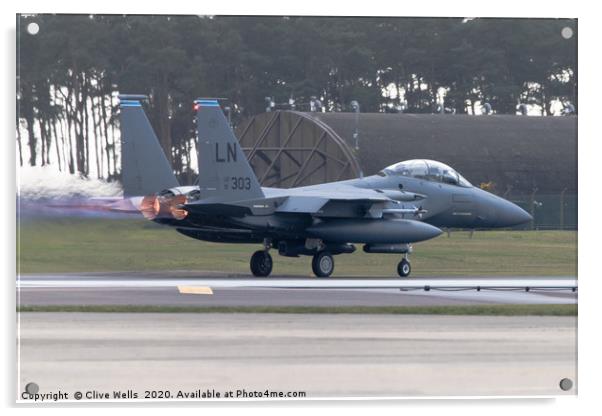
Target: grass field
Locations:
point(491, 310)
point(98, 244)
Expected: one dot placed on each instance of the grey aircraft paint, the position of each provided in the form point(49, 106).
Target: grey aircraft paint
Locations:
point(227, 173)
point(403, 204)
point(145, 168)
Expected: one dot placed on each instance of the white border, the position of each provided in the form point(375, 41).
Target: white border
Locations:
point(589, 177)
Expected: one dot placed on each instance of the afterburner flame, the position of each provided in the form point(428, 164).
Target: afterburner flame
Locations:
point(153, 207)
point(178, 213)
point(150, 207)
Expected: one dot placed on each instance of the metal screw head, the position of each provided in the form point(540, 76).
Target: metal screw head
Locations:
point(566, 384)
point(33, 28)
point(32, 388)
point(566, 32)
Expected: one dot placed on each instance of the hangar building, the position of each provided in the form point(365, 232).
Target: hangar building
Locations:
point(530, 160)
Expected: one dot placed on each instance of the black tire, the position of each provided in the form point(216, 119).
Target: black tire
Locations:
point(261, 263)
point(403, 268)
point(322, 264)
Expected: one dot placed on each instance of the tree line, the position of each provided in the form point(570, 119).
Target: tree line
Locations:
point(71, 70)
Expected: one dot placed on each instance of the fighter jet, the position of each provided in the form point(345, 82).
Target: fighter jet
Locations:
point(403, 204)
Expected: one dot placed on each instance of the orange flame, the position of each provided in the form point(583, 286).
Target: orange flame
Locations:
point(150, 207)
point(153, 207)
point(178, 213)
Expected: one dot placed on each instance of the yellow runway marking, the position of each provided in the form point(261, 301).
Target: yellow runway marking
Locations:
point(195, 290)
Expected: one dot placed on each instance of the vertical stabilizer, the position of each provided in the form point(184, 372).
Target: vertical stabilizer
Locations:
point(144, 167)
point(224, 172)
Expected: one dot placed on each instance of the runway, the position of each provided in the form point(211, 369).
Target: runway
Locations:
point(161, 288)
point(319, 354)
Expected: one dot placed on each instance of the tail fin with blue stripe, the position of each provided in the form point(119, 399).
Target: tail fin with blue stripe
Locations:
point(144, 168)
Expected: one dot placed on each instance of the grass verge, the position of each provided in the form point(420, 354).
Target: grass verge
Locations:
point(491, 310)
point(62, 245)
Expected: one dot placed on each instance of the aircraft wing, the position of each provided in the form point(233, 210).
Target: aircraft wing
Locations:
point(325, 202)
point(337, 202)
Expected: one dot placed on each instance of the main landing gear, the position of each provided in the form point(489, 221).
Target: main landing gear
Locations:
point(322, 264)
point(261, 263)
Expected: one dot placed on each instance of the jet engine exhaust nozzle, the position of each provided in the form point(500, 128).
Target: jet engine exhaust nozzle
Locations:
point(167, 206)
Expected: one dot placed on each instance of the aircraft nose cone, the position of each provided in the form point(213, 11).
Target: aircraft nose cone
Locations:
point(511, 214)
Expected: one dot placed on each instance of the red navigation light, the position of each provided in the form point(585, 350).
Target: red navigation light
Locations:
point(196, 106)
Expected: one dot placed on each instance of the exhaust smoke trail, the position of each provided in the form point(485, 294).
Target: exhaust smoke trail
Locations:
point(44, 192)
point(39, 182)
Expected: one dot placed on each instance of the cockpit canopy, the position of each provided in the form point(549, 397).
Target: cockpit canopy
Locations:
point(430, 170)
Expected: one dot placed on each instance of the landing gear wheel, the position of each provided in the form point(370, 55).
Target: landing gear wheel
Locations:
point(322, 264)
point(404, 268)
point(261, 263)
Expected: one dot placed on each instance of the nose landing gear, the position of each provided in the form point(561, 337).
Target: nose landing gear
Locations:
point(403, 268)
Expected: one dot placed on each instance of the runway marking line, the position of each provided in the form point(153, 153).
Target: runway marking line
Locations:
point(195, 290)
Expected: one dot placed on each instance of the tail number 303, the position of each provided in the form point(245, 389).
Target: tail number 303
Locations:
point(240, 182)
